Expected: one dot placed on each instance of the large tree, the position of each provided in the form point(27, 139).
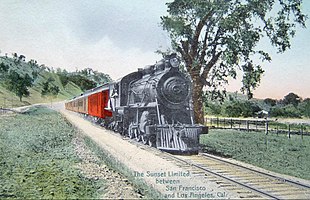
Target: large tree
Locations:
point(292, 98)
point(19, 84)
point(50, 90)
point(217, 38)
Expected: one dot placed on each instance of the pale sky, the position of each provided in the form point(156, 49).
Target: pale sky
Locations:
point(118, 36)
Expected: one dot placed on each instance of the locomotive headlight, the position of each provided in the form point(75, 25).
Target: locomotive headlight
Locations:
point(174, 62)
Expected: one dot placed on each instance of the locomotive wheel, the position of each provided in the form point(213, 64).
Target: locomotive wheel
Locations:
point(145, 139)
point(131, 134)
point(152, 141)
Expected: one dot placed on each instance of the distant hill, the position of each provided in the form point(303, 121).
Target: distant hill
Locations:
point(70, 84)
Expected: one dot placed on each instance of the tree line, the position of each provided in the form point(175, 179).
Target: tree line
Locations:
point(292, 106)
point(86, 78)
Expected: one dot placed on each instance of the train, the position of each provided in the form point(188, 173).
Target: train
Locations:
point(152, 105)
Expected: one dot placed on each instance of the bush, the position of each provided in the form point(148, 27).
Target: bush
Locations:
point(4, 68)
point(304, 107)
point(213, 108)
point(241, 109)
point(286, 111)
point(63, 79)
point(270, 102)
point(249, 109)
point(82, 82)
point(233, 110)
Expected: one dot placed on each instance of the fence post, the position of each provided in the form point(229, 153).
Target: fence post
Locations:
point(224, 123)
point(266, 125)
point(247, 125)
point(277, 129)
point(289, 131)
point(231, 123)
point(217, 122)
point(302, 132)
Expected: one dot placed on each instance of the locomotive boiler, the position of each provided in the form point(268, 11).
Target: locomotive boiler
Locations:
point(152, 105)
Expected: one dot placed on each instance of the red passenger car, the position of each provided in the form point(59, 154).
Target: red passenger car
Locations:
point(93, 102)
point(97, 103)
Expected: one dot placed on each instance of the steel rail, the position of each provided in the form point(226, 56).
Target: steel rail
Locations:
point(229, 179)
point(256, 171)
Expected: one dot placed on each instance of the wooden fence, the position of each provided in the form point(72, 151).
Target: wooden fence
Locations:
point(258, 125)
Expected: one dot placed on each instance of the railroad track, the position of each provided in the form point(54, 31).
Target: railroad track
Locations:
point(247, 182)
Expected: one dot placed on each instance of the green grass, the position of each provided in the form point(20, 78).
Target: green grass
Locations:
point(273, 152)
point(37, 158)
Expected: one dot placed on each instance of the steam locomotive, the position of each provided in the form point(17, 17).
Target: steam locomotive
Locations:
point(152, 105)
